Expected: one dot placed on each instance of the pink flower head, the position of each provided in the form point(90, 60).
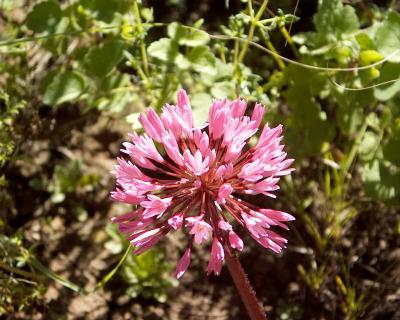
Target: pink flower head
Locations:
point(176, 170)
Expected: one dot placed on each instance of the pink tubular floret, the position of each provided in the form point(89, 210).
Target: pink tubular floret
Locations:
point(202, 180)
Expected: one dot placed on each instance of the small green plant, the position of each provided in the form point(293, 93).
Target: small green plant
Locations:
point(352, 303)
point(9, 110)
point(148, 275)
point(20, 288)
point(70, 178)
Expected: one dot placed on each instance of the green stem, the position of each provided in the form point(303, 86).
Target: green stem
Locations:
point(289, 39)
point(353, 152)
point(254, 21)
point(265, 21)
point(20, 272)
point(275, 56)
point(73, 33)
point(250, 5)
point(114, 270)
point(142, 74)
point(52, 275)
point(141, 30)
point(40, 37)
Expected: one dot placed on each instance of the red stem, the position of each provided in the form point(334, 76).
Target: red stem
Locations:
point(254, 309)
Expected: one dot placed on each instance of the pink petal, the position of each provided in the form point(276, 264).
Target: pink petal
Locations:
point(183, 264)
point(235, 241)
point(216, 258)
point(224, 191)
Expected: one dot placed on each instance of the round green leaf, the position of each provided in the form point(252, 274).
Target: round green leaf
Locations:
point(364, 41)
point(187, 37)
point(349, 119)
point(166, 50)
point(389, 72)
point(387, 37)
point(382, 182)
point(63, 87)
point(202, 60)
point(368, 146)
point(391, 150)
point(100, 61)
point(106, 10)
point(335, 19)
point(44, 16)
point(163, 49)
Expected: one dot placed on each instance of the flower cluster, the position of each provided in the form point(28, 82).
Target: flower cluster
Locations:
point(198, 179)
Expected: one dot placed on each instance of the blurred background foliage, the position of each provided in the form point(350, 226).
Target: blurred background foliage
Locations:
point(74, 75)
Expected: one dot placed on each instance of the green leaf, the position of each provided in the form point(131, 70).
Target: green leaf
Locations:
point(387, 37)
point(195, 38)
point(308, 128)
point(223, 89)
point(186, 36)
point(373, 121)
point(147, 275)
point(65, 178)
point(54, 276)
point(389, 72)
point(202, 60)
point(350, 113)
point(391, 150)
point(133, 120)
point(114, 81)
point(116, 102)
point(102, 60)
point(166, 50)
point(222, 72)
point(369, 75)
point(201, 103)
point(44, 16)
point(105, 10)
point(65, 86)
point(368, 146)
point(163, 49)
point(364, 41)
point(382, 181)
point(176, 31)
point(349, 119)
point(306, 138)
point(115, 92)
point(334, 19)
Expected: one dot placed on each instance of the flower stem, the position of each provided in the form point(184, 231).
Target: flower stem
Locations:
point(242, 284)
